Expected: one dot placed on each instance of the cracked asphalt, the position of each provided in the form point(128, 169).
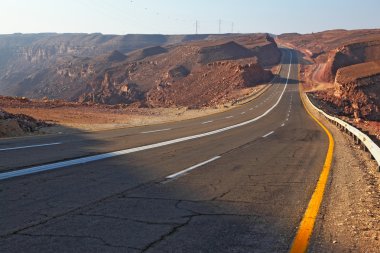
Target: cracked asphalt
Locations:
point(250, 200)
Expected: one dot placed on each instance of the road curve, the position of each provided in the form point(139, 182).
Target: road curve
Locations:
point(238, 181)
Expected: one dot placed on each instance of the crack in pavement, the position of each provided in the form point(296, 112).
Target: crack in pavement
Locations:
point(190, 218)
point(221, 195)
point(90, 206)
point(164, 236)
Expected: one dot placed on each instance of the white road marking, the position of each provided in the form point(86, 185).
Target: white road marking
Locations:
point(250, 109)
point(242, 113)
point(155, 131)
point(283, 124)
point(268, 134)
point(206, 122)
point(229, 117)
point(88, 159)
point(184, 172)
point(32, 146)
point(256, 106)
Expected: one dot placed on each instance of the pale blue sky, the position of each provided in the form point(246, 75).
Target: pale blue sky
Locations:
point(178, 16)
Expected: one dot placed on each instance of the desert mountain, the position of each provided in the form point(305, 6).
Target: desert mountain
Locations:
point(22, 55)
point(102, 68)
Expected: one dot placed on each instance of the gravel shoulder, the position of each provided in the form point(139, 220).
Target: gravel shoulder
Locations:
point(349, 215)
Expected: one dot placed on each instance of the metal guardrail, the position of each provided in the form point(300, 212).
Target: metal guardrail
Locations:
point(359, 137)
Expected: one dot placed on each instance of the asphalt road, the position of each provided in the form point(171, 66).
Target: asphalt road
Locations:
point(237, 181)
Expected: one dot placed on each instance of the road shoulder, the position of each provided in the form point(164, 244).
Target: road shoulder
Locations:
point(348, 219)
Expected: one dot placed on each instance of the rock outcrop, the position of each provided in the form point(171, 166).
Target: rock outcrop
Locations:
point(209, 85)
point(349, 55)
point(358, 88)
point(356, 91)
point(12, 125)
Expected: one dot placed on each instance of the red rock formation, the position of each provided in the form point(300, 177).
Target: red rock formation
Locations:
point(348, 55)
point(211, 84)
point(356, 91)
point(18, 124)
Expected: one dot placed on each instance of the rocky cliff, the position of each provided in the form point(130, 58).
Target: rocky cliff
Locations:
point(349, 55)
point(356, 91)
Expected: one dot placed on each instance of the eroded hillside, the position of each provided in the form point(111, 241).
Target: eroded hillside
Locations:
point(181, 74)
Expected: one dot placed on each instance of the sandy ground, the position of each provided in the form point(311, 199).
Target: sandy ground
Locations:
point(349, 216)
point(69, 119)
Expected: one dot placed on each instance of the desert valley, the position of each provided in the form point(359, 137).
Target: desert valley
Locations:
point(95, 81)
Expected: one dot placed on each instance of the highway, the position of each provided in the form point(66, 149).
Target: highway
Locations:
point(237, 181)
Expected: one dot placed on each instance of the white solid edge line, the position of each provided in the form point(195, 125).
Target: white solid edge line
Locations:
point(183, 172)
point(87, 159)
point(32, 146)
point(268, 134)
point(155, 131)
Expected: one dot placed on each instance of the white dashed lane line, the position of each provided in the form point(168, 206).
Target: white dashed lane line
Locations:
point(207, 122)
point(268, 134)
point(31, 146)
point(155, 131)
point(186, 171)
point(229, 117)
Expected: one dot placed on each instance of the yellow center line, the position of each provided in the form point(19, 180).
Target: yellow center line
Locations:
point(305, 230)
